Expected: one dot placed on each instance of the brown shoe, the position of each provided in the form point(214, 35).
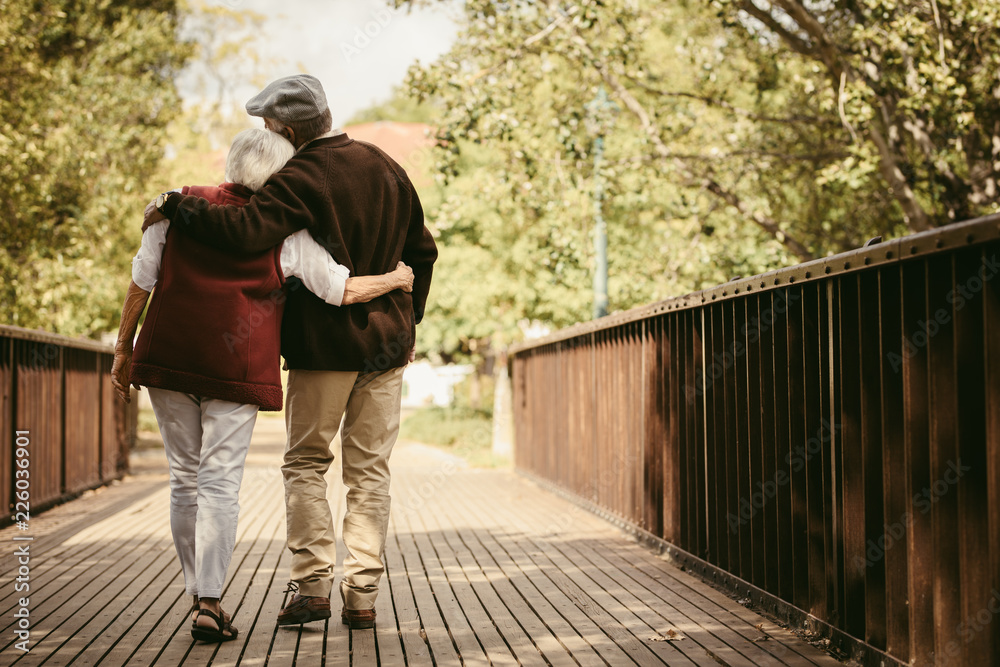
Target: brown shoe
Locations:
point(358, 619)
point(303, 609)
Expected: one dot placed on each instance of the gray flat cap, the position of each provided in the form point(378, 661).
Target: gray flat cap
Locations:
point(289, 99)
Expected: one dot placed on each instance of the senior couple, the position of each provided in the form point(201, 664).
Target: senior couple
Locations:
point(325, 258)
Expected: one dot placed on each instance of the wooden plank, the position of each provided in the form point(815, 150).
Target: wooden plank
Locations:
point(629, 557)
point(53, 529)
point(771, 316)
point(170, 638)
point(718, 640)
point(731, 620)
point(450, 597)
point(486, 627)
point(896, 506)
point(251, 574)
point(971, 481)
point(529, 578)
point(285, 641)
point(496, 614)
point(109, 611)
point(69, 547)
point(519, 605)
point(748, 384)
point(516, 562)
point(338, 636)
point(76, 610)
point(872, 442)
point(261, 635)
point(661, 618)
point(991, 341)
point(944, 512)
point(814, 452)
point(614, 621)
point(852, 566)
point(122, 624)
point(404, 605)
point(157, 607)
point(691, 621)
point(388, 636)
point(75, 587)
point(443, 649)
point(521, 586)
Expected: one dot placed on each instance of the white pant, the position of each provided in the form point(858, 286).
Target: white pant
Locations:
point(206, 441)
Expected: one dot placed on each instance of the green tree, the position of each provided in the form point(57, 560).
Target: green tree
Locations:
point(399, 107)
point(88, 89)
point(223, 55)
point(916, 84)
point(734, 148)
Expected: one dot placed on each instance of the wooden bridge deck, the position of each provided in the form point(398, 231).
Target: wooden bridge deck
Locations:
point(483, 568)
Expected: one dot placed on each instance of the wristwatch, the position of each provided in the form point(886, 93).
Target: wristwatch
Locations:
point(161, 199)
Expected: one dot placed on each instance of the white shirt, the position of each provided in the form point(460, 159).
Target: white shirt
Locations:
point(301, 256)
point(332, 133)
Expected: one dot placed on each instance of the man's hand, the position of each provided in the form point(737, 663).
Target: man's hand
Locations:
point(151, 215)
point(403, 276)
point(121, 368)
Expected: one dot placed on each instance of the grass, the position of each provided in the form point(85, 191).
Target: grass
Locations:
point(463, 432)
point(148, 435)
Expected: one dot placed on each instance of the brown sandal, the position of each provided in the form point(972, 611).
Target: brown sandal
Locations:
point(195, 608)
point(216, 634)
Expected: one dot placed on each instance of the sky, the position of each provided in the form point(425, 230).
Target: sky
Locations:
point(359, 49)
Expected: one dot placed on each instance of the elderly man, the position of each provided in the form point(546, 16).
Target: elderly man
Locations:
point(344, 362)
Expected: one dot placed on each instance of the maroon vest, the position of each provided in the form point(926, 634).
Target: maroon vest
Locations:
point(213, 327)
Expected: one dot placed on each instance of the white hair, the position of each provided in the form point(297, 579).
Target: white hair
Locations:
point(255, 155)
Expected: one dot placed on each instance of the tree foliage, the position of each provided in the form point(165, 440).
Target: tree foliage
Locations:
point(88, 89)
point(915, 82)
point(743, 137)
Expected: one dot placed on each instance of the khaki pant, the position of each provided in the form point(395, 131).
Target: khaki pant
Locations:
point(369, 405)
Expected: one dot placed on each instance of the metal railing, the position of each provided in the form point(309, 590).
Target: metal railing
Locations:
point(824, 438)
point(58, 398)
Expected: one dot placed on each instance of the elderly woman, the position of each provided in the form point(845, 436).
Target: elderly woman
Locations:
point(208, 354)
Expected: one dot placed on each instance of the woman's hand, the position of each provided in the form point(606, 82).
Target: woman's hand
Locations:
point(403, 275)
point(120, 371)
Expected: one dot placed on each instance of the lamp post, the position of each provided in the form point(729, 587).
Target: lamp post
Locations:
point(600, 115)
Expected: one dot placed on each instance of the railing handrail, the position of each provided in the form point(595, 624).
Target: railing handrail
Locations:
point(949, 237)
point(10, 331)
